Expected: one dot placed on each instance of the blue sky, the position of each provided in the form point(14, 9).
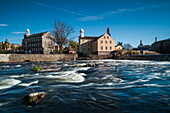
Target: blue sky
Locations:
point(129, 20)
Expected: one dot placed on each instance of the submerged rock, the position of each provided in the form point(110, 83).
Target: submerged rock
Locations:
point(91, 65)
point(86, 65)
point(34, 98)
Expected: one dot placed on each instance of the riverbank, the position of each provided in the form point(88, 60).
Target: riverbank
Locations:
point(36, 57)
point(68, 57)
point(159, 57)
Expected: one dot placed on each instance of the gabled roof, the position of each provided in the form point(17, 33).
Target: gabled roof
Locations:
point(36, 35)
point(91, 37)
point(88, 37)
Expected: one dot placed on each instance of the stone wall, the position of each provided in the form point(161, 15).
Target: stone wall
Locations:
point(160, 57)
point(35, 57)
point(96, 57)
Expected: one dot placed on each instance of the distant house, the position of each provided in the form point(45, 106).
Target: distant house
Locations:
point(10, 46)
point(40, 43)
point(57, 48)
point(100, 45)
point(142, 47)
point(118, 46)
point(72, 50)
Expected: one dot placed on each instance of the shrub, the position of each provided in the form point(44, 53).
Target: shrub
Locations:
point(129, 52)
point(88, 65)
point(36, 69)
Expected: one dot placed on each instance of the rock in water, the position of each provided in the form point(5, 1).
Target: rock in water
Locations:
point(34, 98)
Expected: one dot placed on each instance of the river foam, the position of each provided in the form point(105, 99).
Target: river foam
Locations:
point(7, 83)
point(28, 84)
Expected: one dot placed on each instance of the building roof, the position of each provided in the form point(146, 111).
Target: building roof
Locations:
point(118, 45)
point(88, 37)
point(92, 37)
point(36, 35)
point(161, 41)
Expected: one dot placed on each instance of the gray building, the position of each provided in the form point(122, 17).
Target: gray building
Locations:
point(162, 46)
point(40, 43)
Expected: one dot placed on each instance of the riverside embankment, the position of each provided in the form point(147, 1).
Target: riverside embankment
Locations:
point(160, 57)
point(35, 57)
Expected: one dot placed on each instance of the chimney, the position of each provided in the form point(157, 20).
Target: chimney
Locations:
point(108, 31)
point(155, 39)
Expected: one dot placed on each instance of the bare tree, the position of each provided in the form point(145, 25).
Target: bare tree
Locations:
point(127, 46)
point(62, 32)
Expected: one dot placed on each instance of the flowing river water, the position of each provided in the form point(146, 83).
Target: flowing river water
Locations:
point(114, 86)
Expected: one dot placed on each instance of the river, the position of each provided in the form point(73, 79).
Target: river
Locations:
point(114, 86)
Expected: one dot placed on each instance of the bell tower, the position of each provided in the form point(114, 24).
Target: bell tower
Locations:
point(81, 33)
point(27, 32)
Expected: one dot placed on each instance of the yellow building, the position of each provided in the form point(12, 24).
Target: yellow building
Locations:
point(119, 46)
point(102, 45)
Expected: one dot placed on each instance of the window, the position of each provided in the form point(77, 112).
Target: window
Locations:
point(101, 41)
point(104, 37)
point(83, 40)
point(106, 41)
point(106, 47)
point(110, 47)
point(110, 42)
point(101, 47)
point(88, 49)
point(107, 37)
point(83, 49)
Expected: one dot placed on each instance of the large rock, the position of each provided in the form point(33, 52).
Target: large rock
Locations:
point(34, 98)
point(90, 65)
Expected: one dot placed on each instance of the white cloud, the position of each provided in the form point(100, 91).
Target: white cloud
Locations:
point(104, 15)
point(18, 32)
point(90, 18)
point(61, 9)
point(4, 25)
